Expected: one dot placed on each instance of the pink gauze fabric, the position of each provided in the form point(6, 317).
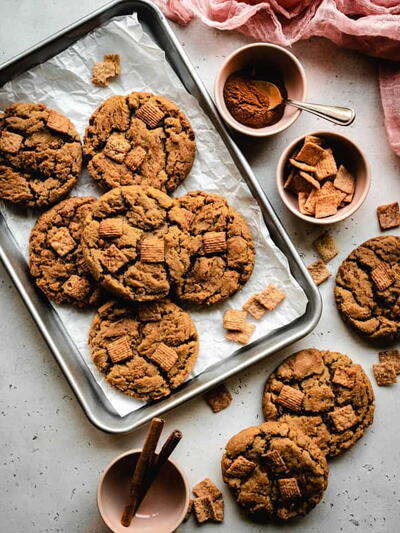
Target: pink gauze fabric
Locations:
point(369, 26)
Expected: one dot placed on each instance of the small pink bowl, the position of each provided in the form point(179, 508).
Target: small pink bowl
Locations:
point(279, 59)
point(348, 154)
point(163, 508)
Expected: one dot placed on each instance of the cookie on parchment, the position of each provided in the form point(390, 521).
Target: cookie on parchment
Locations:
point(145, 350)
point(367, 289)
point(55, 254)
point(132, 246)
point(325, 395)
point(40, 155)
point(223, 251)
point(275, 471)
point(139, 139)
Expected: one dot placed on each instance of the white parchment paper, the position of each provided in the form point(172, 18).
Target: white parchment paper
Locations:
point(63, 83)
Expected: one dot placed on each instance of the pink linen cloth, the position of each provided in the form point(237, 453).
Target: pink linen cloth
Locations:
point(369, 26)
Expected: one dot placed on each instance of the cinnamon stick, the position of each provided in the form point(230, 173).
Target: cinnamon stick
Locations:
point(144, 463)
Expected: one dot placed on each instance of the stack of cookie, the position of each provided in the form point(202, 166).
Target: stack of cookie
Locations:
point(135, 251)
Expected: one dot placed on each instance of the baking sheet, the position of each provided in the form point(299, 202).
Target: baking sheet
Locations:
point(63, 83)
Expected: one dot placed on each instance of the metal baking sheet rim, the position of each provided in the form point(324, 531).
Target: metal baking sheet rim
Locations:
point(93, 402)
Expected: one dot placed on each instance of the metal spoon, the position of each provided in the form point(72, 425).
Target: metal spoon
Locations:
point(344, 116)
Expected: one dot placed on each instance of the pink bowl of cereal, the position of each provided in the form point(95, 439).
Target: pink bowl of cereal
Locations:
point(323, 177)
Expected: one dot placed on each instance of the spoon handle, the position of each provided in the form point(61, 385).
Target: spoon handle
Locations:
point(343, 116)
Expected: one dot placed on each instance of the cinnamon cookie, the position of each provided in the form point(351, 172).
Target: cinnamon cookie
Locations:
point(139, 139)
point(132, 246)
point(275, 471)
point(55, 254)
point(325, 395)
point(145, 350)
point(40, 155)
point(223, 252)
point(368, 289)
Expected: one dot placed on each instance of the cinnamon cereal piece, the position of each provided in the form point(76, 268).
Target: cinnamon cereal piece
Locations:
point(289, 180)
point(152, 250)
point(382, 276)
point(102, 72)
point(270, 297)
point(241, 467)
point(384, 374)
point(319, 271)
point(302, 200)
point(290, 397)
point(392, 357)
point(117, 147)
point(164, 356)
point(241, 337)
point(313, 139)
point(113, 259)
point(58, 122)
point(218, 510)
point(309, 206)
point(203, 509)
point(343, 417)
point(10, 142)
point(308, 178)
point(326, 206)
point(218, 399)
point(150, 114)
point(389, 215)
point(344, 377)
point(326, 246)
point(115, 59)
point(110, 227)
point(289, 488)
point(301, 166)
point(326, 166)
point(310, 153)
point(344, 180)
point(207, 487)
point(254, 307)
point(214, 241)
point(234, 319)
point(348, 198)
point(120, 349)
point(62, 242)
point(135, 158)
point(76, 287)
point(274, 460)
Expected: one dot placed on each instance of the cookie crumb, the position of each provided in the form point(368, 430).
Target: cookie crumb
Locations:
point(102, 72)
point(392, 357)
point(389, 215)
point(115, 59)
point(326, 246)
point(384, 373)
point(319, 271)
point(218, 399)
point(241, 337)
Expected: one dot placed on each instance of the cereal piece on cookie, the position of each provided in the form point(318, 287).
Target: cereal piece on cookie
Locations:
point(150, 115)
point(135, 158)
point(326, 246)
point(110, 227)
point(384, 373)
point(392, 357)
point(152, 250)
point(214, 241)
point(117, 147)
point(326, 166)
point(241, 337)
point(58, 122)
point(10, 142)
point(319, 271)
point(218, 399)
point(76, 287)
point(301, 166)
point(119, 350)
point(389, 215)
point(291, 398)
point(164, 356)
point(343, 417)
point(270, 297)
point(289, 488)
point(207, 487)
point(113, 259)
point(203, 509)
point(344, 377)
point(115, 59)
point(62, 242)
point(254, 307)
point(310, 153)
point(382, 276)
point(235, 319)
point(102, 72)
point(241, 467)
point(344, 180)
point(326, 205)
point(274, 460)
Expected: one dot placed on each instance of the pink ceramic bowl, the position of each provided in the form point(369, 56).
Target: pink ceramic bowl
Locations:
point(348, 154)
point(279, 59)
point(161, 511)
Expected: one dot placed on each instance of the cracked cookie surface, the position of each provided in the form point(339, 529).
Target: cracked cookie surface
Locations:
point(132, 246)
point(325, 395)
point(55, 254)
point(126, 340)
point(274, 471)
point(139, 139)
point(367, 289)
point(222, 248)
point(40, 155)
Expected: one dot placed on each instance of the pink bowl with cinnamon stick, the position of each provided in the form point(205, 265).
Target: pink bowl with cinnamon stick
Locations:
point(163, 508)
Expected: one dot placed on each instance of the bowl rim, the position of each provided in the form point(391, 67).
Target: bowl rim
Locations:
point(333, 219)
point(133, 452)
point(227, 117)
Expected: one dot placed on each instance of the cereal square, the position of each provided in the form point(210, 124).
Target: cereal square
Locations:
point(102, 72)
point(113, 259)
point(313, 139)
point(310, 153)
point(326, 246)
point(384, 373)
point(308, 178)
point(152, 250)
point(62, 242)
point(58, 122)
point(111, 227)
point(207, 487)
point(218, 510)
point(389, 215)
point(164, 356)
point(10, 142)
point(291, 398)
point(382, 276)
point(115, 59)
point(235, 319)
point(241, 467)
point(218, 399)
point(274, 460)
point(344, 180)
point(241, 337)
point(302, 198)
point(270, 297)
point(326, 205)
point(309, 206)
point(117, 147)
point(254, 307)
point(214, 241)
point(150, 115)
point(289, 488)
point(120, 349)
point(344, 377)
point(319, 271)
point(326, 166)
point(76, 287)
point(391, 356)
point(343, 417)
point(301, 166)
point(203, 509)
point(135, 158)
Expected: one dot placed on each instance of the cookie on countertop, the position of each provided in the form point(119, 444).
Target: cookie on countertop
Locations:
point(223, 251)
point(40, 155)
point(139, 139)
point(55, 254)
point(144, 350)
point(131, 245)
point(275, 471)
point(367, 289)
point(325, 395)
